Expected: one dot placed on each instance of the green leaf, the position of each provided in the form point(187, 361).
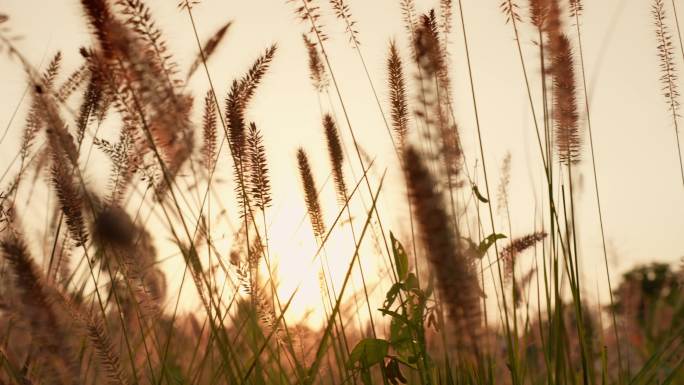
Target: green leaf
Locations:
point(397, 316)
point(411, 282)
point(400, 258)
point(392, 295)
point(487, 243)
point(479, 196)
point(417, 310)
point(368, 352)
point(400, 336)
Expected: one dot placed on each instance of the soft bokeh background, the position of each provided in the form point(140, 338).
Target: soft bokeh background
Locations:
point(638, 173)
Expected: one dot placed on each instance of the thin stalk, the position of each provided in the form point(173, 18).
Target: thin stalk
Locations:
point(596, 185)
point(681, 47)
point(509, 337)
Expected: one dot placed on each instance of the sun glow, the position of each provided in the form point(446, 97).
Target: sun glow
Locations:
point(316, 273)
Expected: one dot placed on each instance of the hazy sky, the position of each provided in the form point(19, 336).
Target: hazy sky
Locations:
point(638, 173)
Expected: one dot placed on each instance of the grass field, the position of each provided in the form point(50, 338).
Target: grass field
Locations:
point(143, 239)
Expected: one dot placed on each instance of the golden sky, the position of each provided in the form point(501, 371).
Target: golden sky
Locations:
point(638, 173)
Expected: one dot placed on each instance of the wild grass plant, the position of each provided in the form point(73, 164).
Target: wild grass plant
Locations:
point(87, 301)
